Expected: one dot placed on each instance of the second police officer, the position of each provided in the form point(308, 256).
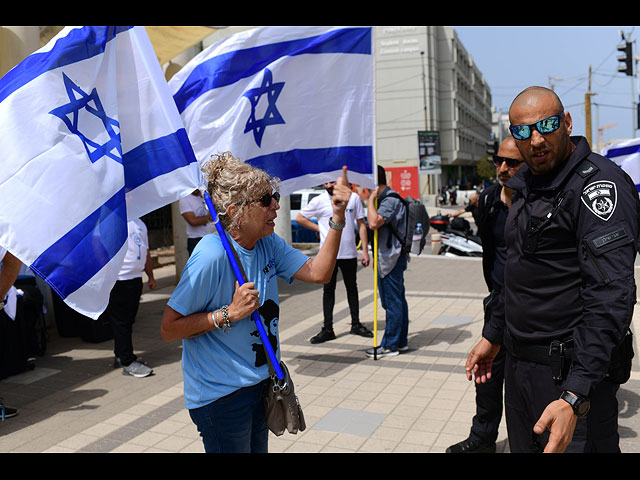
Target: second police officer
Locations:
point(569, 292)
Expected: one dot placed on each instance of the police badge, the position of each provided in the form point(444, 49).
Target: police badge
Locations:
point(600, 198)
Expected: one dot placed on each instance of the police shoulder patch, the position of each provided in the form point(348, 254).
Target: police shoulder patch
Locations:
point(600, 198)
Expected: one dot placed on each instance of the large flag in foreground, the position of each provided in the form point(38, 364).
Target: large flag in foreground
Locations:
point(91, 138)
point(294, 101)
point(626, 154)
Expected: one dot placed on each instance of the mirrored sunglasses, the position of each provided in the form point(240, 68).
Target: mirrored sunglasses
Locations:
point(265, 200)
point(544, 126)
point(511, 162)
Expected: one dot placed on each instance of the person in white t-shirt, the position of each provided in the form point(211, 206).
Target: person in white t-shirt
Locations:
point(125, 299)
point(320, 208)
point(195, 212)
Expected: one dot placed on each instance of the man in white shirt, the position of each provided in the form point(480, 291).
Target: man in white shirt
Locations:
point(320, 207)
point(194, 210)
point(125, 299)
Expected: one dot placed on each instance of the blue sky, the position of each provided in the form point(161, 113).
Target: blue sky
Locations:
point(513, 58)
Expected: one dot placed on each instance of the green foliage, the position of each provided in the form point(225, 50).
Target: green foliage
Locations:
point(486, 169)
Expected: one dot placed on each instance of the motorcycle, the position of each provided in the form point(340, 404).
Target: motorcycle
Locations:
point(456, 237)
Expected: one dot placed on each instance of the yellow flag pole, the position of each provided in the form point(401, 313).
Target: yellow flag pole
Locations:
point(375, 289)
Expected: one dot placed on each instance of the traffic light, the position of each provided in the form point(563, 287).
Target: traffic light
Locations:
point(492, 147)
point(626, 58)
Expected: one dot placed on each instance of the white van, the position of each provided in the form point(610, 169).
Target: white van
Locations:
point(297, 201)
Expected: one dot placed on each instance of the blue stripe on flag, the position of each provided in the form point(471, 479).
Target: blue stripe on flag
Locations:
point(156, 157)
point(299, 162)
point(619, 152)
point(228, 68)
point(78, 255)
point(80, 44)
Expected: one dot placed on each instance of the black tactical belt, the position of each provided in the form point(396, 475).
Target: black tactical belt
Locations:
point(556, 354)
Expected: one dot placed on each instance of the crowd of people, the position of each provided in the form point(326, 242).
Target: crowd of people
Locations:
point(559, 232)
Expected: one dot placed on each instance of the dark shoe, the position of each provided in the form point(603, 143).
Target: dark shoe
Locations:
point(7, 412)
point(471, 446)
point(323, 336)
point(361, 330)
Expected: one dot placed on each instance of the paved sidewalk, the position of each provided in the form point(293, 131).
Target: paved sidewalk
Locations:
point(420, 401)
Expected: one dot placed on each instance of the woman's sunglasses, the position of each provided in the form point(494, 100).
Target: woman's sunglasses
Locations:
point(511, 162)
point(265, 200)
point(544, 126)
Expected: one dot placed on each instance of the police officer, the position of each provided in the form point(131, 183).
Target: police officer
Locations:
point(491, 215)
point(569, 288)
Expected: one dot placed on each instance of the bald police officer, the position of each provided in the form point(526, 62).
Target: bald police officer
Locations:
point(572, 234)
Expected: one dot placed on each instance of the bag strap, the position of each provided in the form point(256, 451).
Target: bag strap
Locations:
point(244, 275)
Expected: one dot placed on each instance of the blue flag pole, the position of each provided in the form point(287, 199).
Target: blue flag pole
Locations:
point(241, 280)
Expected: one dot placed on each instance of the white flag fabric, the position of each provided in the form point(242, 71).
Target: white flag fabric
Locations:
point(626, 154)
point(297, 102)
point(91, 138)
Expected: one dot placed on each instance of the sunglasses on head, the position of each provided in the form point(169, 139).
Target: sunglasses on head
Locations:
point(544, 126)
point(265, 200)
point(511, 162)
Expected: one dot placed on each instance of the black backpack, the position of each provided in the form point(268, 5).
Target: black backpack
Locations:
point(416, 213)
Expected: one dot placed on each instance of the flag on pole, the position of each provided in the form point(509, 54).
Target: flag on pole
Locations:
point(296, 102)
point(626, 154)
point(91, 138)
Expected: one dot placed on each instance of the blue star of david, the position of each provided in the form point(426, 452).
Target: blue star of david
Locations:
point(69, 113)
point(272, 115)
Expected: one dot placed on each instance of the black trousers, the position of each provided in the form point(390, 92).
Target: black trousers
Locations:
point(121, 313)
point(529, 388)
point(349, 269)
point(489, 398)
point(191, 244)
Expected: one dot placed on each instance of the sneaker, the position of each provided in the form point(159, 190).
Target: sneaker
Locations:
point(7, 412)
point(471, 446)
point(137, 369)
point(403, 349)
point(361, 330)
point(324, 335)
point(381, 352)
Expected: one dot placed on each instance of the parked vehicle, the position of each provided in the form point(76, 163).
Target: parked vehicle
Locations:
point(297, 201)
point(456, 237)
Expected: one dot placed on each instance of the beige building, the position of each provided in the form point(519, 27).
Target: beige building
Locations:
point(426, 80)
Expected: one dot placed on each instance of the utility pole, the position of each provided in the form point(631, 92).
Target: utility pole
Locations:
point(587, 110)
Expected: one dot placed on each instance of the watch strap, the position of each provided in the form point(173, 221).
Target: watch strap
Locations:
point(336, 225)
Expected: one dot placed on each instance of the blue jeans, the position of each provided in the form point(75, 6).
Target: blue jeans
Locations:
point(392, 298)
point(234, 423)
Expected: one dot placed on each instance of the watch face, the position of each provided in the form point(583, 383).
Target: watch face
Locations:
point(583, 407)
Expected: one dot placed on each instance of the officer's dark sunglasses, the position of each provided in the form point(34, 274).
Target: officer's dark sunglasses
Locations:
point(511, 162)
point(265, 200)
point(544, 126)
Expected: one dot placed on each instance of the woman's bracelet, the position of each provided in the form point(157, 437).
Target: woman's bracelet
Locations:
point(214, 318)
point(226, 324)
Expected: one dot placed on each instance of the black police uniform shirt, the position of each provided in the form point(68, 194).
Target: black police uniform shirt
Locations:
point(491, 218)
point(573, 276)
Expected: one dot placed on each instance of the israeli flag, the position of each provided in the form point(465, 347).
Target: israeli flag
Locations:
point(91, 138)
point(297, 102)
point(626, 154)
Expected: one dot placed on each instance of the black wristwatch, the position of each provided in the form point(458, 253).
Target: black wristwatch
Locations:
point(579, 403)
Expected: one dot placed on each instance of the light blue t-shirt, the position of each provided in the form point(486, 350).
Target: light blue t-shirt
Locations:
point(217, 363)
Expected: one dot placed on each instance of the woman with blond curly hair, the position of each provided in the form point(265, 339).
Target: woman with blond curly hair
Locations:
point(223, 360)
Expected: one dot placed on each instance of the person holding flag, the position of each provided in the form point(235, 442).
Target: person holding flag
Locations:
point(224, 365)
